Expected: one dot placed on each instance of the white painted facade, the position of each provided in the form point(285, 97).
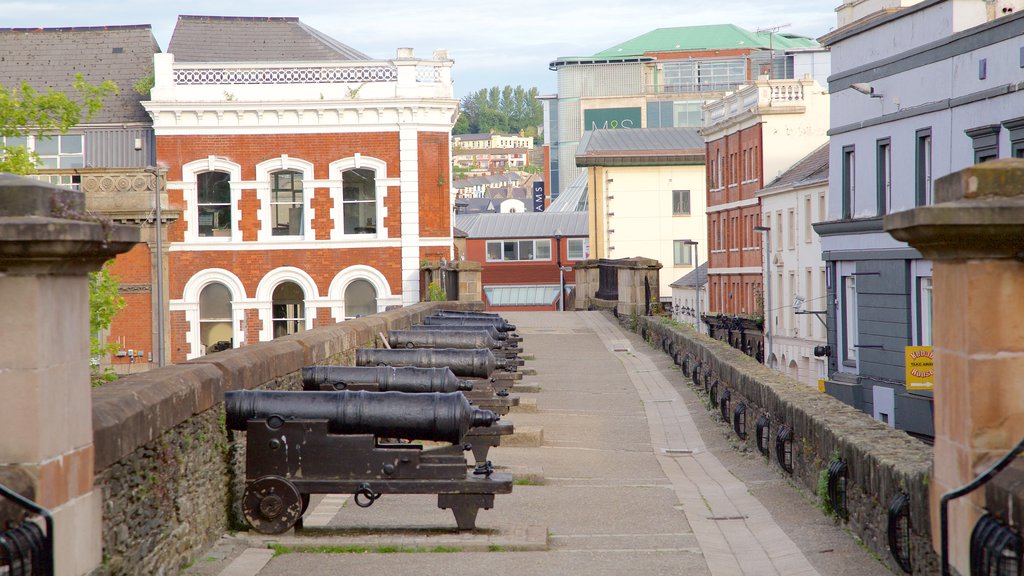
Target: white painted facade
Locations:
point(685, 303)
point(639, 216)
point(796, 280)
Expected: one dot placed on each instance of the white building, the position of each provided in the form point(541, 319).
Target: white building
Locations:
point(687, 304)
point(917, 92)
point(795, 274)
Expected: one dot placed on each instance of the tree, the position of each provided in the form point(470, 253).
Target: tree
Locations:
point(25, 111)
point(105, 302)
point(505, 109)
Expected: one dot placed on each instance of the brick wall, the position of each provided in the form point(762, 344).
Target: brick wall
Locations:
point(882, 462)
point(133, 327)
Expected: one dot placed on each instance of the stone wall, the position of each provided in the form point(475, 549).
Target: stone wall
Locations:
point(169, 471)
point(881, 462)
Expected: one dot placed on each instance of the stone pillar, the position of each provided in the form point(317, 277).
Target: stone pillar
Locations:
point(470, 284)
point(586, 274)
point(638, 285)
point(48, 245)
point(975, 235)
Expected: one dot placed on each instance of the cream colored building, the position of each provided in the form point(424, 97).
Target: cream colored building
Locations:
point(646, 197)
point(492, 140)
point(795, 274)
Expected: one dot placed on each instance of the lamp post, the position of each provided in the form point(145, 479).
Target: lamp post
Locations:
point(767, 291)
point(696, 269)
point(561, 272)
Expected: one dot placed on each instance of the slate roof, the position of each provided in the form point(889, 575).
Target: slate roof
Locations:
point(694, 278)
point(508, 177)
point(641, 145)
point(811, 169)
point(522, 224)
point(712, 37)
point(254, 39)
point(50, 58)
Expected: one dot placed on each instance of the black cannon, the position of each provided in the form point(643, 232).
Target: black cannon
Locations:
point(449, 339)
point(479, 362)
point(302, 443)
point(419, 380)
point(468, 314)
point(490, 330)
point(499, 324)
point(383, 379)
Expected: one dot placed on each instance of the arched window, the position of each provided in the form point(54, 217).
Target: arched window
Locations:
point(286, 203)
point(359, 201)
point(214, 203)
point(215, 318)
point(288, 309)
point(360, 299)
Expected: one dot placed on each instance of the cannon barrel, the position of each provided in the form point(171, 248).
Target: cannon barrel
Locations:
point(468, 314)
point(479, 362)
point(499, 324)
point(490, 330)
point(447, 339)
point(387, 378)
point(432, 416)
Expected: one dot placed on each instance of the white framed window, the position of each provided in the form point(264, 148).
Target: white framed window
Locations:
point(577, 248)
point(359, 201)
point(54, 151)
point(884, 175)
point(215, 331)
point(518, 250)
point(924, 311)
point(286, 203)
point(213, 301)
point(849, 315)
point(288, 309)
point(213, 204)
point(211, 199)
point(359, 187)
point(682, 254)
point(680, 202)
point(360, 299)
point(284, 191)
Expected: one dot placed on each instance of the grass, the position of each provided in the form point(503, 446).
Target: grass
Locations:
point(525, 482)
point(281, 549)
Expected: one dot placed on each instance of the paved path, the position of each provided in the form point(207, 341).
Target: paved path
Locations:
point(638, 479)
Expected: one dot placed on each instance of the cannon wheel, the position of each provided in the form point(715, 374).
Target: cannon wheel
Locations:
point(271, 505)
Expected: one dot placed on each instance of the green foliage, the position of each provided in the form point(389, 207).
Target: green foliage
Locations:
point(144, 85)
point(824, 504)
point(104, 303)
point(24, 111)
point(505, 110)
point(435, 293)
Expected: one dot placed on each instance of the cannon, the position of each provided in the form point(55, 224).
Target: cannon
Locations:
point(478, 362)
point(449, 339)
point(490, 330)
point(469, 314)
point(419, 380)
point(383, 379)
point(302, 443)
point(499, 324)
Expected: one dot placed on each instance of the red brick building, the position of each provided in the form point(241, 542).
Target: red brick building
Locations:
point(311, 179)
point(520, 254)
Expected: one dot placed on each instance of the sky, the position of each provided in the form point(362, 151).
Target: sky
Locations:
point(492, 43)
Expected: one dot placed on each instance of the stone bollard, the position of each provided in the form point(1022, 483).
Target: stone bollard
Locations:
point(47, 248)
point(975, 235)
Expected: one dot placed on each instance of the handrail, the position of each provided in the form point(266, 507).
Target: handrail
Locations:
point(963, 491)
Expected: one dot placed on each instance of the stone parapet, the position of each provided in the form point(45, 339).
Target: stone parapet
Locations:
point(881, 462)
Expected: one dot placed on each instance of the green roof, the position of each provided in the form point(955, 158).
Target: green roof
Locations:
point(714, 37)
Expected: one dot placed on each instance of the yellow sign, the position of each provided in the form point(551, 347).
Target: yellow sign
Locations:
point(821, 384)
point(920, 362)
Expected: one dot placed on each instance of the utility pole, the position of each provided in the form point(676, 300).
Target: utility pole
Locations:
point(771, 30)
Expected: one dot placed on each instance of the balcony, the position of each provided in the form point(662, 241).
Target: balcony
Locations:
point(759, 98)
point(122, 194)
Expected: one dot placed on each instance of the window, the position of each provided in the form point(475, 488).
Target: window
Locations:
point(1016, 129)
point(924, 312)
point(985, 140)
point(923, 167)
point(848, 183)
point(286, 203)
point(791, 236)
point(883, 158)
point(680, 202)
point(518, 250)
point(215, 318)
point(578, 248)
point(681, 253)
point(288, 309)
point(808, 231)
point(213, 201)
point(359, 201)
point(57, 151)
point(704, 75)
point(360, 299)
point(849, 346)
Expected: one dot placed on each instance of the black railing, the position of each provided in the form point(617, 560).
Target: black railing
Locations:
point(25, 548)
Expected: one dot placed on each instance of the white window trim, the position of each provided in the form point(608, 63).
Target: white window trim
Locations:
point(920, 269)
point(381, 181)
point(263, 184)
point(265, 297)
point(846, 270)
point(189, 303)
point(584, 248)
point(550, 257)
point(336, 291)
point(190, 190)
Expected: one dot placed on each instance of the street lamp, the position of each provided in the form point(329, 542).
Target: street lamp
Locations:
point(696, 269)
point(561, 271)
point(767, 291)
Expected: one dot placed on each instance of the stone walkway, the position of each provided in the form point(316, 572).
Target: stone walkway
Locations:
point(638, 478)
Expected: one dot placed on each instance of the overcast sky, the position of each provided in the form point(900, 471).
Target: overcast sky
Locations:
point(492, 43)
